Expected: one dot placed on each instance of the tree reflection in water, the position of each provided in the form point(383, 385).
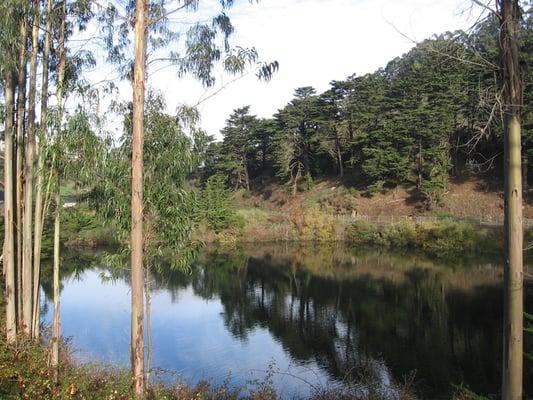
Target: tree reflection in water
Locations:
point(361, 315)
point(368, 318)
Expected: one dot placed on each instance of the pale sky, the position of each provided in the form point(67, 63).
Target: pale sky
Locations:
point(314, 41)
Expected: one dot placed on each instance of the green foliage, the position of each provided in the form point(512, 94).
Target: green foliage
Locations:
point(169, 206)
point(376, 187)
point(24, 374)
point(296, 141)
point(215, 205)
point(354, 192)
point(194, 51)
point(362, 233)
point(446, 238)
point(463, 393)
point(245, 152)
point(425, 118)
point(443, 238)
point(10, 11)
point(317, 226)
point(238, 147)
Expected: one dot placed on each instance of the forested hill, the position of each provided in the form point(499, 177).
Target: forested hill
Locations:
point(427, 117)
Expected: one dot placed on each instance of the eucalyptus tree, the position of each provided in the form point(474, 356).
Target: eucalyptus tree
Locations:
point(9, 17)
point(20, 43)
point(196, 52)
point(27, 221)
point(137, 278)
point(23, 274)
point(508, 12)
point(55, 173)
point(40, 207)
point(169, 209)
point(55, 157)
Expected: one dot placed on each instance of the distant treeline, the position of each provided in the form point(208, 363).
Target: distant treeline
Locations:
point(428, 116)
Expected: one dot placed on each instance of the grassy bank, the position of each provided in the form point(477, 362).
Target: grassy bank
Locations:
point(24, 375)
point(445, 238)
point(469, 225)
point(441, 236)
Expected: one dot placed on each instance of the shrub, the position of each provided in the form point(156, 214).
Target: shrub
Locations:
point(354, 192)
point(363, 233)
point(443, 238)
point(215, 205)
point(318, 226)
point(375, 188)
point(400, 235)
point(447, 237)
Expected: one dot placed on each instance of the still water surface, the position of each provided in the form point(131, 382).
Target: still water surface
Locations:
point(312, 316)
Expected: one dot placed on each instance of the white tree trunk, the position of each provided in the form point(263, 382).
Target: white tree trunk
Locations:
point(38, 219)
point(9, 240)
point(56, 329)
point(137, 273)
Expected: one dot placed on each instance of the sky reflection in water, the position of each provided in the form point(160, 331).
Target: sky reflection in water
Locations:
point(317, 315)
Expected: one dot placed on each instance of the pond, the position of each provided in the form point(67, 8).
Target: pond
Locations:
point(300, 317)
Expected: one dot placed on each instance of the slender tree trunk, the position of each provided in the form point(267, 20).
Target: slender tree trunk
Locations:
point(28, 178)
point(56, 329)
point(9, 240)
point(38, 220)
point(513, 275)
point(137, 274)
point(24, 275)
point(148, 306)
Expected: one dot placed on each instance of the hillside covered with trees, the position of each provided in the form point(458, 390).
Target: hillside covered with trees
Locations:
point(427, 117)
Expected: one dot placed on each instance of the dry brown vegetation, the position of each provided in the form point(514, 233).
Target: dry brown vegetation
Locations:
point(466, 198)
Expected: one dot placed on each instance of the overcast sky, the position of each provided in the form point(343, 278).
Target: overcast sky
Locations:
point(314, 41)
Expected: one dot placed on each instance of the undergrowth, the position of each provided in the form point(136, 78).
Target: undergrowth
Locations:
point(441, 238)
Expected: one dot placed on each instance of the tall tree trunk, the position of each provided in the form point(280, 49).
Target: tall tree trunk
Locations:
point(56, 329)
point(148, 307)
point(28, 176)
point(513, 274)
point(9, 240)
point(24, 275)
point(38, 219)
point(137, 274)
